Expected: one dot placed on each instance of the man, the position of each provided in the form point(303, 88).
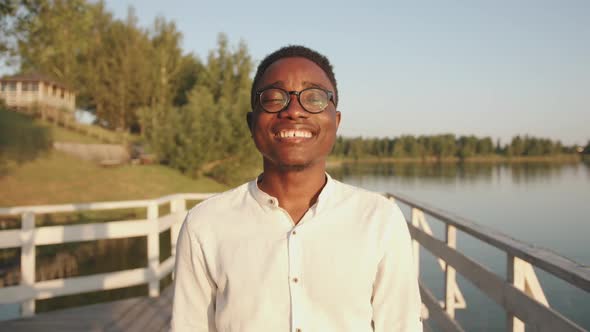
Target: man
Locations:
point(295, 250)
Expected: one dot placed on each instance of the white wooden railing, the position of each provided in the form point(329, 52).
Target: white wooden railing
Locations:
point(29, 236)
point(520, 294)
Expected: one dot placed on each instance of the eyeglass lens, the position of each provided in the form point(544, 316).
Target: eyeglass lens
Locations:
point(312, 100)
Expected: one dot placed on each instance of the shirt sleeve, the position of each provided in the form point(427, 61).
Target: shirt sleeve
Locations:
point(396, 296)
point(193, 306)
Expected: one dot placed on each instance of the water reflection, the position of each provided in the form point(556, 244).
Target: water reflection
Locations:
point(520, 172)
point(529, 172)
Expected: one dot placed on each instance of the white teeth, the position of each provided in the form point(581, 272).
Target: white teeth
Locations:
point(294, 133)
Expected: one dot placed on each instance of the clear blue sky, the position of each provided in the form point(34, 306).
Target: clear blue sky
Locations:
point(496, 68)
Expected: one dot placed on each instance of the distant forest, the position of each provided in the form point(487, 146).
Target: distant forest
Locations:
point(449, 146)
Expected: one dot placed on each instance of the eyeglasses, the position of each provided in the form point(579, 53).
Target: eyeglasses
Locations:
point(313, 100)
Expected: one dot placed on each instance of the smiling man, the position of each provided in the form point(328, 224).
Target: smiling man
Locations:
point(295, 250)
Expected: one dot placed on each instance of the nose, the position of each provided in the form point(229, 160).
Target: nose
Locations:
point(294, 109)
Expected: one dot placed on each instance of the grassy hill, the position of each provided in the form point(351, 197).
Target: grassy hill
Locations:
point(33, 173)
point(60, 134)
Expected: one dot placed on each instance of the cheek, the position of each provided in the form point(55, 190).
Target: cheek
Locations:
point(331, 124)
point(330, 130)
point(259, 131)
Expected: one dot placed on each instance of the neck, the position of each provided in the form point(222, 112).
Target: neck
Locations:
point(296, 189)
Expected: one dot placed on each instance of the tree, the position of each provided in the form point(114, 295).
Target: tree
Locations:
point(412, 146)
point(516, 147)
point(166, 61)
point(499, 149)
point(485, 146)
point(53, 41)
point(338, 149)
point(467, 146)
point(355, 148)
point(14, 15)
point(190, 68)
point(209, 133)
point(443, 145)
point(124, 71)
point(7, 17)
point(398, 150)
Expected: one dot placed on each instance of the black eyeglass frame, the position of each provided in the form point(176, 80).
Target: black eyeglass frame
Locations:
point(329, 93)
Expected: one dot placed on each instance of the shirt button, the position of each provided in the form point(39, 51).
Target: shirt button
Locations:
point(297, 330)
point(294, 233)
point(270, 201)
point(295, 280)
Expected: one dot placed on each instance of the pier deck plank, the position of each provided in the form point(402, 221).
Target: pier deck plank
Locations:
point(137, 314)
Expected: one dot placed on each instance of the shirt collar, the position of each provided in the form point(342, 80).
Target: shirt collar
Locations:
point(269, 202)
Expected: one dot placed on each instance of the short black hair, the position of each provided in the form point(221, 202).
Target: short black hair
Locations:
point(295, 51)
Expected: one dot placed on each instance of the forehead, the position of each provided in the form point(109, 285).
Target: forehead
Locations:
point(295, 71)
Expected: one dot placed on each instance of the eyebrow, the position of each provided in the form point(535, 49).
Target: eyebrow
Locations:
point(280, 84)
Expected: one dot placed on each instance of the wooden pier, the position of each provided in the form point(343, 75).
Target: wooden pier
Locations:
point(519, 293)
point(143, 314)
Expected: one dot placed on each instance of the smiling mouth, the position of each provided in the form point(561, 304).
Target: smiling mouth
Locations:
point(289, 134)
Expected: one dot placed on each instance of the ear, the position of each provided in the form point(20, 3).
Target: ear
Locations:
point(338, 115)
point(249, 120)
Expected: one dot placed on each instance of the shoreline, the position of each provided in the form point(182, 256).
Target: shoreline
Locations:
point(494, 159)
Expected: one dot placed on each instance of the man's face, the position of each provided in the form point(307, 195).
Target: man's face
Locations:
point(274, 133)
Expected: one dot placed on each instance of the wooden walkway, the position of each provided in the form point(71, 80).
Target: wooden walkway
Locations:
point(143, 314)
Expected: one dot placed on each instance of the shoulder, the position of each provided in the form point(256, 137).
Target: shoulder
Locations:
point(363, 198)
point(217, 208)
point(369, 207)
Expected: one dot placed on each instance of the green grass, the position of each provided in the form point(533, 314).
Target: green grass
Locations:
point(67, 135)
point(58, 178)
point(32, 173)
point(87, 134)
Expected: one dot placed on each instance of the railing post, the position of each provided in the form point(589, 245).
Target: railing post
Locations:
point(153, 249)
point(515, 277)
point(416, 215)
point(522, 276)
point(450, 274)
point(27, 260)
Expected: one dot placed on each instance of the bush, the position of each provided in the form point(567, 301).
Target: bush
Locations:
point(21, 139)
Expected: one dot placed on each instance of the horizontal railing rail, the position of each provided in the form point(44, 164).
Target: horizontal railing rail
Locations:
point(520, 294)
point(562, 267)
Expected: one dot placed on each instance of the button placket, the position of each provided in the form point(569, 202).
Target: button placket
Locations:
point(294, 280)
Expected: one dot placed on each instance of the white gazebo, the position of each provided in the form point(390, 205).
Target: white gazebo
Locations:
point(32, 93)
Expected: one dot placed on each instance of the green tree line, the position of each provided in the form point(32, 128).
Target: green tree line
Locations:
point(190, 112)
point(447, 146)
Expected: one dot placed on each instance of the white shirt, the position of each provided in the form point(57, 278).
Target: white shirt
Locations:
point(243, 266)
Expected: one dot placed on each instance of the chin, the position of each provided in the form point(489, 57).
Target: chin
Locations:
point(293, 167)
point(288, 163)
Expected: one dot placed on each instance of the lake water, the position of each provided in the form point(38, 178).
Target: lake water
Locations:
point(545, 204)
